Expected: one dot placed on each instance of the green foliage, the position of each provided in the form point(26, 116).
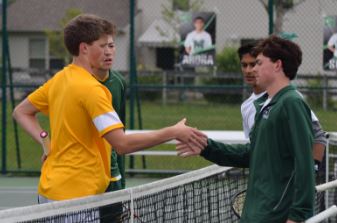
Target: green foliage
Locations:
point(315, 94)
point(150, 94)
point(55, 38)
point(181, 4)
point(185, 5)
point(70, 14)
point(230, 93)
point(10, 2)
point(228, 62)
point(281, 8)
point(196, 5)
point(287, 4)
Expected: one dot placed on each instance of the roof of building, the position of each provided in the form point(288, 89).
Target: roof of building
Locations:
point(41, 15)
point(159, 34)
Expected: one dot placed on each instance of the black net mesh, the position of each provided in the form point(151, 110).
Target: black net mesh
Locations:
point(207, 200)
point(184, 198)
point(204, 200)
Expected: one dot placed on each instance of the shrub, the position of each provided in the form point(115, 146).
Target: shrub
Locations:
point(148, 93)
point(228, 62)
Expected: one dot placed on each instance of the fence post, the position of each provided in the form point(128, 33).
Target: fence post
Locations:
point(271, 16)
point(12, 99)
point(132, 63)
point(4, 88)
point(325, 92)
point(132, 72)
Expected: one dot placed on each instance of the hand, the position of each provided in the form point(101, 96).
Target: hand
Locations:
point(185, 150)
point(191, 136)
point(291, 221)
point(43, 158)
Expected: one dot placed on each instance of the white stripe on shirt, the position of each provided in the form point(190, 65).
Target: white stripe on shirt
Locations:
point(117, 178)
point(106, 120)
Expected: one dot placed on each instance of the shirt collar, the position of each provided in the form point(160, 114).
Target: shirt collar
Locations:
point(281, 92)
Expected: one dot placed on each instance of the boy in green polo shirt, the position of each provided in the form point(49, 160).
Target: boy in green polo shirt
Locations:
point(117, 86)
point(279, 155)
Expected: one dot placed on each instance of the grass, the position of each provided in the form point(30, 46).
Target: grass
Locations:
point(207, 117)
point(203, 116)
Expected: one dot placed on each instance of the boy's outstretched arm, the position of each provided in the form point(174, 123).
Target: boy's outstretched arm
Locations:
point(125, 144)
point(236, 155)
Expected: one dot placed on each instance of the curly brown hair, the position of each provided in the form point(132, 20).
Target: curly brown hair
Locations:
point(85, 28)
point(277, 48)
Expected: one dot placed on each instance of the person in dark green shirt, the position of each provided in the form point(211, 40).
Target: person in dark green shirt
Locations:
point(116, 84)
point(279, 155)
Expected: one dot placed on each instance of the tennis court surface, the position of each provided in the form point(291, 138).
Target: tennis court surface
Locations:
point(22, 191)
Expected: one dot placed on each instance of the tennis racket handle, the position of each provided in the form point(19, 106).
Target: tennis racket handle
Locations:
point(45, 142)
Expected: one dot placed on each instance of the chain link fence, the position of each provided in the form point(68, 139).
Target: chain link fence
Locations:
point(206, 86)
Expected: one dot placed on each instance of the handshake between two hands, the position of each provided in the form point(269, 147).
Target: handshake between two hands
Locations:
point(191, 140)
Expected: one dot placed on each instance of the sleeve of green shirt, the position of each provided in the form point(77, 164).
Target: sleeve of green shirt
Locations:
point(121, 158)
point(123, 102)
point(301, 141)
point(117, 86)
point(236, 155)
point(122, 115)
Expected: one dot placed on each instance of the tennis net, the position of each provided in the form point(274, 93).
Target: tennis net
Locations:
point(198, 196)
point(203, 195)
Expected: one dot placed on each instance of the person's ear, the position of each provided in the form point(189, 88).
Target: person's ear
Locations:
point(278, 65)
point(83, 48)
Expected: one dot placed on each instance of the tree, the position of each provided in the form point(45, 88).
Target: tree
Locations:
point(55, 38)
point(281, 7)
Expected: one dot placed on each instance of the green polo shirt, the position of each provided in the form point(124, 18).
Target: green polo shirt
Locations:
point(279, 157)
point(117, 86)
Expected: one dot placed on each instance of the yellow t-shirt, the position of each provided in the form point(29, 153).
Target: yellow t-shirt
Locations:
point(80, 113)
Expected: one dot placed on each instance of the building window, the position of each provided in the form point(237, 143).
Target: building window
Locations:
point(56, 64)
point(168, 62)
point(37, 53)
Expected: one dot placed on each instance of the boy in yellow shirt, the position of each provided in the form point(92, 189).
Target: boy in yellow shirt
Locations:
point(82, 119)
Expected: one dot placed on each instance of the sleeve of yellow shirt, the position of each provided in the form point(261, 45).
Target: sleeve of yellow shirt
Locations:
point(39, 98)
point(98, 104)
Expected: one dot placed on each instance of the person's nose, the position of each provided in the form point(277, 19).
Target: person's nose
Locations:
point(254, 69)
point(249, 69)
point(109, 50)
